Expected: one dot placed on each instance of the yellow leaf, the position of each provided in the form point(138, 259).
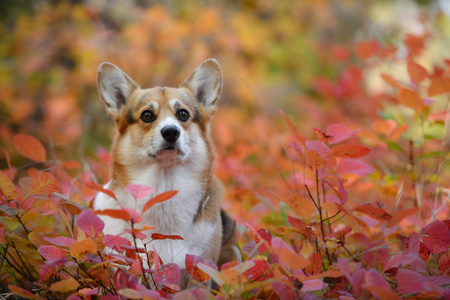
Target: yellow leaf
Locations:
point(83, 247)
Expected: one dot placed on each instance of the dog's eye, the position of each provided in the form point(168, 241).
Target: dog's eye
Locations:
point(183, 115)
point(148, 116)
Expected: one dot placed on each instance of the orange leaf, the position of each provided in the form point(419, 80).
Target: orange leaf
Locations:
point(439, 86)
point(99, 188)
point(294, 129)
point(29, 147)
point(83, 247)
point(292, 260)
point(315, 160)
point(65, 285)
point(23, 293)
point(410, 98)
point(374, 212)
point(115, 213)
point(43, 183)
point(383, 126)
point(416, 72)
point(391, 81)
point(349, 151)
point(159, 198)
point(7, 187)
point(395, 134)
point(366, 49)
point(398, 216)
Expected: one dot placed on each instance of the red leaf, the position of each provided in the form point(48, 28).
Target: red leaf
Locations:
point(374, 212)
point(294, 129)
point(115, 213)
point(444, 263)
point(414, 43)
point(51, 253)
point(436, 236)
point(410, 98)
point(391, 81)
point(158, 199)
point(349, 151)
point(409, 282)
point(158, 236)
point(439, 86)
point(375, 253)
point(339, 133)
point(29, 147)
point(7, 187)
point(99, 188)
point(139, 191)
point(23, 293)
point(351, 166)
point(266, 236)
point(259, 272)
point(416, 72)
point(90, 223)
point(191, 267)
point(398, 216)
point(43, 183)
point(60, 241)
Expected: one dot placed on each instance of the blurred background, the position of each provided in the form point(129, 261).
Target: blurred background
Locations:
point(315, 60)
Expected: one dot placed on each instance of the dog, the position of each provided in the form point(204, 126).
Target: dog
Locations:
point(163, 141)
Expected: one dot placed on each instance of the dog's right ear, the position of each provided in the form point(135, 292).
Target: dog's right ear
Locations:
point(114, 87)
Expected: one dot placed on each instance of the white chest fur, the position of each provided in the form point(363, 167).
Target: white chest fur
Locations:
point(174, 216)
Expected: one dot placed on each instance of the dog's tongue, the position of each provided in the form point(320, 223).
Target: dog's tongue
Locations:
point(167, 156)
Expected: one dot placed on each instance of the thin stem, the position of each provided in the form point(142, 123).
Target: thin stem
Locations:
point(146, 283)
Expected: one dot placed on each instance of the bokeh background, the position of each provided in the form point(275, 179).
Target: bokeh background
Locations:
point(312, 59)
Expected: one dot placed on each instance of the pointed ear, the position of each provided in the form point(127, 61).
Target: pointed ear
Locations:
point(206, 84)
point(114, 87)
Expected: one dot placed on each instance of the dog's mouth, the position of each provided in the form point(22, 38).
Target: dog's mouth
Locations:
point(168, 152)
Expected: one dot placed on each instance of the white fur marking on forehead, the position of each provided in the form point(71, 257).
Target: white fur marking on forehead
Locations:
point(168, 121)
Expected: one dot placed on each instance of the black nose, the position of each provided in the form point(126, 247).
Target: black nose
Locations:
point(170, 133)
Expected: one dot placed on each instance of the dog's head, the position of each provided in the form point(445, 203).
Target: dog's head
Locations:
point(161, 124)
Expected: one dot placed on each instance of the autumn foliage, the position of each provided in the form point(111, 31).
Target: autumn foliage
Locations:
point(340, 191)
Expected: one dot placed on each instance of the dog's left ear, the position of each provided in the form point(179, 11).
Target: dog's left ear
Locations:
point(206, 84)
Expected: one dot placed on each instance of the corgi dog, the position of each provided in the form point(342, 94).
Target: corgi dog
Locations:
point(163, 141)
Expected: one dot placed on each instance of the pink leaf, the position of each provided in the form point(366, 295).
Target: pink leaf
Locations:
point(353, 166)
point(344, 266)
point(115, 242)
point(318, 146)
point(313, 285)
point(409, 282)
point(436, 236)
point(168, 274)
point(283, 291)
point(374, 278)
point(339, 133)
point(357, 280)
point(90, 223)
point(139, 191)
point(124, 280)
point(404, 259)
point(135, 217)
point(191, 266)
point(60, 241)
point(51, 253)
